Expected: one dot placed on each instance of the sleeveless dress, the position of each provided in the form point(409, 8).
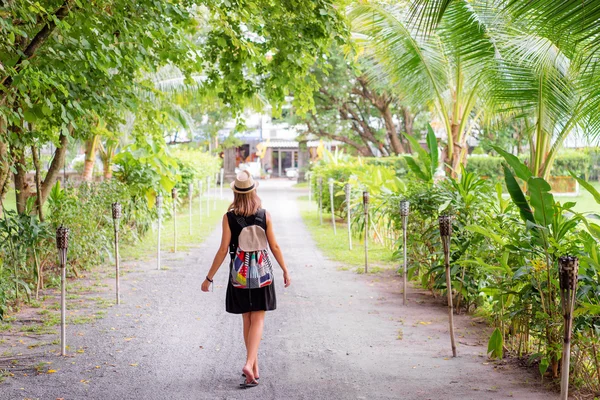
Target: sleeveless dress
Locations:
point(240, 301)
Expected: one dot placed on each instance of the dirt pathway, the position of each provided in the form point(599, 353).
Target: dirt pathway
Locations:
point(335, 335)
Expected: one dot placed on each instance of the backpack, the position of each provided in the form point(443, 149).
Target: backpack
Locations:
point(250, 263)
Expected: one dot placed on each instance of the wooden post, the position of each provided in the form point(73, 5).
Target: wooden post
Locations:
point(200, 200)
point(331, 183)
point(208, 196)
point(190, 200)
point(116, 214)
point(404, 209)
point(309, 178)
point(366, 210)
point(348, 213)
point(445, 231)
point(222, 177)
point(568, 268)
point(215, 196)
point(174, 197)
point(320, 181)
point(159, 202)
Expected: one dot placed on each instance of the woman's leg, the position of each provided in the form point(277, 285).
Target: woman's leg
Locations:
point(247, 322)
point(257, 322)
point(246, 318)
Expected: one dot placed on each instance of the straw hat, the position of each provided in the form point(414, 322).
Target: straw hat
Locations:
point(243, 183)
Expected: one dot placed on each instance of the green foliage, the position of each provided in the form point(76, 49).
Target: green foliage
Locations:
point(495, 344)
point(425, 164)
point(504, 252)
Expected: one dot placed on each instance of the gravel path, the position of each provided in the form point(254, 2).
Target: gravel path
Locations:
point(335, 335)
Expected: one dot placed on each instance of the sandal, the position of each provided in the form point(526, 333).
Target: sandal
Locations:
point(256, 379)
point(249, 384)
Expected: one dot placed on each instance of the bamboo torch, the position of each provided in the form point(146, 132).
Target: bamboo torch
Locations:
point(568, 267)
point(320, 181)
point(62, 244)
point(174, 197)
point(116, 214)
point(445, 223)
point(159, 202)
point(331, 182)
point(349, 213)
point(404, 210)
point(190, 201)
point(366, 210)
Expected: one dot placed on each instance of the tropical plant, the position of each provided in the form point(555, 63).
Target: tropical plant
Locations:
point(450, 67)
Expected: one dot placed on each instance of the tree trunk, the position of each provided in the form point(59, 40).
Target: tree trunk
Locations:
point(57, 163)
point(408, 120)
point(459, 152)
point(90, 158)
point(38, 183)
point(107, 170)
point(21, 190)
point(4, 164)
point(391, 131)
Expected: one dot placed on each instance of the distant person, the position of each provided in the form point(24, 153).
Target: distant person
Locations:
point(247, 234)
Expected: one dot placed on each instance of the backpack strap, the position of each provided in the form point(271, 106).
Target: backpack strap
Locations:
point(240, 220)
point(261, 217)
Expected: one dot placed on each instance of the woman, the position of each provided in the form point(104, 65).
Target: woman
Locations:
point(251, 303)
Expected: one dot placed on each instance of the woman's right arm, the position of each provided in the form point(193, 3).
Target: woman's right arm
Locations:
point(276, 250)
point(220, 256)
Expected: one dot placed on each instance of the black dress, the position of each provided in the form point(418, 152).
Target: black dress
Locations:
point(240, 301)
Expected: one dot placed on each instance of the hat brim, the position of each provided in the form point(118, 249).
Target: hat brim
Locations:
point(236, 190)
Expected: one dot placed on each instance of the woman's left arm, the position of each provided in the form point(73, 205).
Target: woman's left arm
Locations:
point(220, 256)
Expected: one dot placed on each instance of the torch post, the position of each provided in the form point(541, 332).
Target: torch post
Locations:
point(215, 196)
point(331, 183)
point(348, 213)
point(445, 223)
point(200, 200)
point(62, 244)
point(221, 181)
point(568, 268)
point(159, 203)
point(366, 228)
point(190, 201)
point(208, 196)
point(309, 177)
point(320, 182)
point(174, 195)
point(116, 214)
point(404, 210)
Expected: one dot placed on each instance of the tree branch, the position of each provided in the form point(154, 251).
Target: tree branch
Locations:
point(58, 161)
point(39, 39)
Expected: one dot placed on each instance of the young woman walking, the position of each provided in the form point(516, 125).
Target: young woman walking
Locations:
point(246, 211)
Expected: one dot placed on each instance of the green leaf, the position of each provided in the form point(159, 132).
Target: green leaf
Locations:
point(587, 187)
point(542, 200)
point(495, 344)
point(421, 152)
point(433, 149)
point(517, 195)
point(487, 233)
point(544, 364)
point(520, 169)
point(414, 167)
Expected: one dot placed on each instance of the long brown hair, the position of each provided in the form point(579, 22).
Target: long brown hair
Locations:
point(245, 204)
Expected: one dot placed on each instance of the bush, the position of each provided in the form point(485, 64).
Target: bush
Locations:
point(491, 167)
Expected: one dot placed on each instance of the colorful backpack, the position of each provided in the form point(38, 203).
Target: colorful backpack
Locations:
point(251, 267)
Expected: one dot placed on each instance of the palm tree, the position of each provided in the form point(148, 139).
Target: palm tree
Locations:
point(548, 68)
point(449, 68)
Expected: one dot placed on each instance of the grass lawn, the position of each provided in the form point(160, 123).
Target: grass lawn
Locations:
point(585, 201)
point(201, 229)
point(338, 249)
